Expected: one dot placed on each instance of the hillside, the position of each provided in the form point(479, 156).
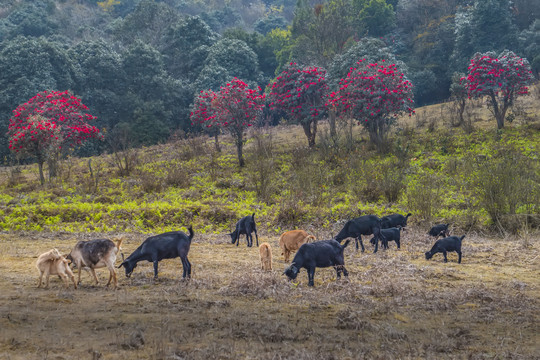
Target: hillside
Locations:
point(433, 170)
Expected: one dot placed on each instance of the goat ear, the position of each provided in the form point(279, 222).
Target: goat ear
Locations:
point(122, 264)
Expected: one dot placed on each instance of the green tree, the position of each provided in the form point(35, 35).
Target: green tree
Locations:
point(226, 59)
point(376, 17)
point(485, 26)
point(101, 81)
point(185, 47)
point(148, 22)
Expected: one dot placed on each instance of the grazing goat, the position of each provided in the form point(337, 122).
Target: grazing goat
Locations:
point(52, 263)
point(265, 253)
point(451, 243)
point(245, 225)
point(439, 230)
point(168, 245)
point(394, 220)
point(392, 234)
point(363, 225)
point(292, 240)
point(95, 254)
point(324, 253)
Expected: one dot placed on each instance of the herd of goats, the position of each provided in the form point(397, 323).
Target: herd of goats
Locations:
point(310, 254)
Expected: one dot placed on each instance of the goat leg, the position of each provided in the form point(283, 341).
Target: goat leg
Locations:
point(155, 269)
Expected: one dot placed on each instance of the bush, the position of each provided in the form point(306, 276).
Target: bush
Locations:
point(507, 185)
point(424, 195)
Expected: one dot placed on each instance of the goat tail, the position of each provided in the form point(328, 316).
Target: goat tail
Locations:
point(311, 238)
point(346, 244)
point(191, 233)
point(409, 214)
point(119, 242)
point(461, 238)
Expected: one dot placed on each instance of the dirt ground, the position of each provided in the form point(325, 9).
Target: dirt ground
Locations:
point(394, 305)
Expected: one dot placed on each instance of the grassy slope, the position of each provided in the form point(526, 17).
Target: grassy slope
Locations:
point(394, 305)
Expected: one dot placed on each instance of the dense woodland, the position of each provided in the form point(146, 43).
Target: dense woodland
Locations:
point(138, 64)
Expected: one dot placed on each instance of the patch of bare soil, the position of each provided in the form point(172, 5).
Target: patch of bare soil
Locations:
point(394, 305)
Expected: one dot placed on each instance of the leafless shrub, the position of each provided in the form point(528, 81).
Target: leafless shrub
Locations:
point(177, 176)
point(261, 168)
point(150, 183)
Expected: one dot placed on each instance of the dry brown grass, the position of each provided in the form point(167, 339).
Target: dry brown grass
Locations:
point(395, 305)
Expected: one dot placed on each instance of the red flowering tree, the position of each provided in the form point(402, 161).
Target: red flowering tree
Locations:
point(46, 123)
point(301, 92)
point(234, 108)
point(375, 95)
point(203, 114)
point(501, 78)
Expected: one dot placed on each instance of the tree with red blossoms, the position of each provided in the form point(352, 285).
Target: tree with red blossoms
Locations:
point(374, 94)
point(45, 124)
point(301, 92)
point(203, 114)
point(502, 78)
point(234, 108)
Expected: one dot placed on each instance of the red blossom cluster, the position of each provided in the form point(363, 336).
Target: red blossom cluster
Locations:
point(235, 105)
point(373, 91)
point(504, 76)
point(50, 117)
point(300, 92)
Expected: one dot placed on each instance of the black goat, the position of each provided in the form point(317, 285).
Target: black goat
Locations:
point(394, 220)
point(451, 243)
point(392, 234)
point(439, 230)
point(363, 225)
point(324, 253)
point(168, 245)
point(245, 225)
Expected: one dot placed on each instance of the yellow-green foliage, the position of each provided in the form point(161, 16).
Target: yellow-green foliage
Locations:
point(438, 176)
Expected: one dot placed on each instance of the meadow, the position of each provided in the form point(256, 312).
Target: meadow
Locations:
point(394, 305)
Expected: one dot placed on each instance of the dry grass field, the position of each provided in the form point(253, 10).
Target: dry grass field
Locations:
point(394, 305)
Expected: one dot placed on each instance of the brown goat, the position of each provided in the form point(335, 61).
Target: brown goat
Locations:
point(94, 254)
point(265, 253)
point(52, 263)
point(292, 240)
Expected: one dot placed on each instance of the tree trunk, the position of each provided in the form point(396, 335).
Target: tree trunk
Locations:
point(52, 162)
point(310, 129)
point(239, 145)
point(498, 113)
point(40, 167)
point(216, 143)
point(332, 121)
point(377, 134)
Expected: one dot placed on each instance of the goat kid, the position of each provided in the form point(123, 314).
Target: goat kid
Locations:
point(439, 230)
point(451, 243)
point(265, 253)
point(392, 234)
point(168, 245)
point(292, 240)
point(53, 263)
